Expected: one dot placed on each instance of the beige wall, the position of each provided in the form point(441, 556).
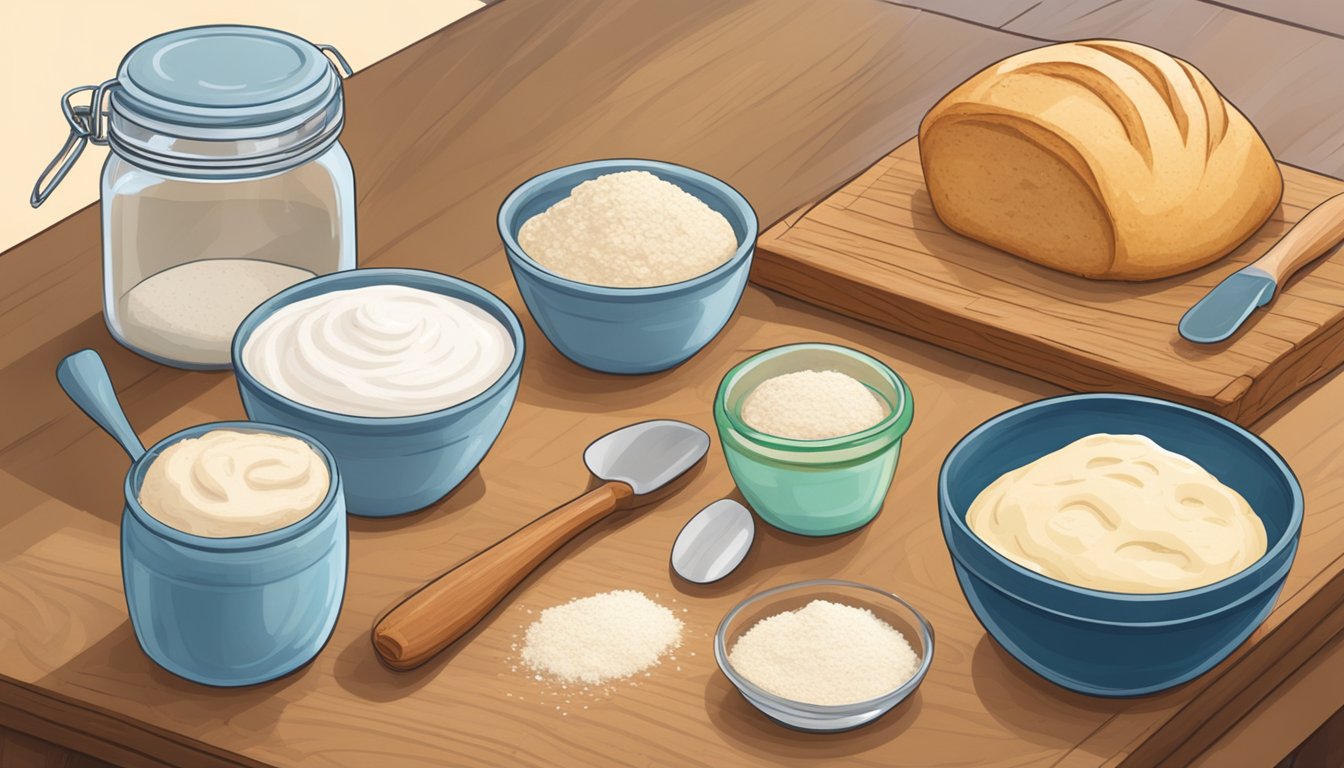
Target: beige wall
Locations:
point(50, 46)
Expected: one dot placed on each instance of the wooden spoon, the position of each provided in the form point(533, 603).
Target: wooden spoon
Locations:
point(635, 461)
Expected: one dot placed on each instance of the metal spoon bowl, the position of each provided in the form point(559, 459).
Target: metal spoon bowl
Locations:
point(713, 542)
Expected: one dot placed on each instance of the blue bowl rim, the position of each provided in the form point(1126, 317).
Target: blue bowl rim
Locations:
point(1288, 539)
point(516, 254)
point(395, 275)
point(230, 543)
point(883, 702)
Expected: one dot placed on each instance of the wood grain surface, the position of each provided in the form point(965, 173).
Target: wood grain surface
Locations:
point(1298, 717)
point(19, 750)
point(875, 250)
point(784, 99)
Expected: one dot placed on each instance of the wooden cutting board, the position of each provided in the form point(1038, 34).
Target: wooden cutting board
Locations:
point(876, 251)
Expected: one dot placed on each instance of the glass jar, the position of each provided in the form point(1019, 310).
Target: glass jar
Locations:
point(813, 487)
point(225, 184)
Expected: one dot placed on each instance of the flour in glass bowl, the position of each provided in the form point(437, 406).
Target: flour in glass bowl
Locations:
point(825, 653)
point(812, 405)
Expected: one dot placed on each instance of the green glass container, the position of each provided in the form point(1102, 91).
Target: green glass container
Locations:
point(813, 487)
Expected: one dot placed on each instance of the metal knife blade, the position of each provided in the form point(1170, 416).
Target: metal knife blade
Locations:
point(1220, 313)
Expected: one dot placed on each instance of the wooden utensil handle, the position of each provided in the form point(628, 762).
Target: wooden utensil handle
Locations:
point(1319, 231)
point(446, 608)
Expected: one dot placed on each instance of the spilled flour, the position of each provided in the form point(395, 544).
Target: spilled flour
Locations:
point(592, 640)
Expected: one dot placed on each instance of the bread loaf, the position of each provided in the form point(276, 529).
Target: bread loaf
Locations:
point(1101, 158)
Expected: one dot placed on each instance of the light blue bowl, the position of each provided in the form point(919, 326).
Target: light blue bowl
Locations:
point(628, 330)
point(233, 611)
point(1112, 643)
point(391, 465)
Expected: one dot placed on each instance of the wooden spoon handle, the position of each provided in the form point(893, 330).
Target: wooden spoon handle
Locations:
point(1319, 231)
point(448, 607)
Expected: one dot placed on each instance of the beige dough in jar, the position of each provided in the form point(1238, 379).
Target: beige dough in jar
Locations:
point(228, 483)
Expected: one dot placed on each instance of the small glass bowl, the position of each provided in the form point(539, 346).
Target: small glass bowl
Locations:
point(813, 487)
point(822, 717)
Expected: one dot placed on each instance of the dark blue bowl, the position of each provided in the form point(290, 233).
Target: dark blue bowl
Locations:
point(396, 464)
point(628, 330)
point(1112, 643)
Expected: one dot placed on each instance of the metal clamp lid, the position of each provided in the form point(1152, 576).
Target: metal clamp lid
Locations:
point(88, 123)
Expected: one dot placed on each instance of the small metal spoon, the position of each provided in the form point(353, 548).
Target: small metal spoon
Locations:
point(714, 542)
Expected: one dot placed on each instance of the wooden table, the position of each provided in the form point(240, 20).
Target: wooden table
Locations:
point(785, 100)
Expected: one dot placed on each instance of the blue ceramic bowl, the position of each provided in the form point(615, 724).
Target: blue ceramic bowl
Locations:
point(398, 464)
point(233, 611)
point(1111, 643)
point(628, 330)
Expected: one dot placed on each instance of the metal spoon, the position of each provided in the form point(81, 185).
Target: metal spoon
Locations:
point(636, 462)
point(714, 542)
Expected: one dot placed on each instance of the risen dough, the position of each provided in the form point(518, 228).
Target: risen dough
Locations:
point(1119, 513)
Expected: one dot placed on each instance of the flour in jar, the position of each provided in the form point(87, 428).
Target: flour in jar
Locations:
point(189, 312)
point(380, 350)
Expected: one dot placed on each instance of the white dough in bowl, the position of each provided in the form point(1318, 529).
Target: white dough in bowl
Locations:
point(380, 350)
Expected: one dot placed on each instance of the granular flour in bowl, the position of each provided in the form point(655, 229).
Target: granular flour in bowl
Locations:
point(812, 405)
point(599, 638)
point(628, 230)
point(825, 653)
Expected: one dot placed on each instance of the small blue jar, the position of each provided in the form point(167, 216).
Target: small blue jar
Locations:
point(233, 611)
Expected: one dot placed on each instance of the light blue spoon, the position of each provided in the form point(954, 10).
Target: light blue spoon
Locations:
point(84, 378)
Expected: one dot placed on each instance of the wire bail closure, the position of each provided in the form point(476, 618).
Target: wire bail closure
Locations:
point(342, 66)
point(88, 123)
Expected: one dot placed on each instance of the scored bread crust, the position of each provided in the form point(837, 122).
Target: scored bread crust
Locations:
point(1102, 158)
